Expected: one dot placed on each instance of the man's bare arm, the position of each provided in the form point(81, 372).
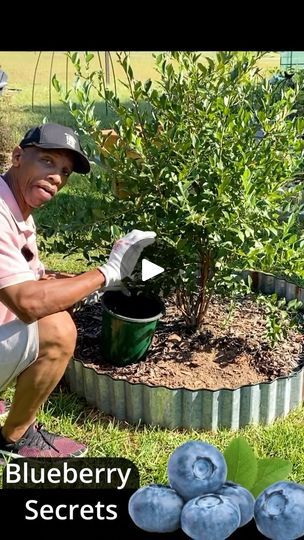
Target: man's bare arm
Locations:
point(32, 300)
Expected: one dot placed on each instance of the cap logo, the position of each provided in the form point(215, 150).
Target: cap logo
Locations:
point(70, 140)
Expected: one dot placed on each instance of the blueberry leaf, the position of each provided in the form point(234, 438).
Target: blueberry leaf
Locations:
point(241, 463)
point(270, 470)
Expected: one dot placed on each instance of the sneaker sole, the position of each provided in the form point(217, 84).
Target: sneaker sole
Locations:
point(5, 456)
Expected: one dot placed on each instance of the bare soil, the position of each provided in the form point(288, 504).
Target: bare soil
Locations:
point(219, 356)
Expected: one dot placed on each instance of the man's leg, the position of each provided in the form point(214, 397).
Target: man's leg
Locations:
point(57, 338)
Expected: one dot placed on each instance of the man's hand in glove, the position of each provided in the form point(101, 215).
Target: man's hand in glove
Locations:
point(124, 256)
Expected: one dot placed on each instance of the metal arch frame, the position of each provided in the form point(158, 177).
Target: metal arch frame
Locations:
point(109, 66)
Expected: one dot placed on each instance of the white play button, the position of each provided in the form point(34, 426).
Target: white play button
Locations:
point(149, 269)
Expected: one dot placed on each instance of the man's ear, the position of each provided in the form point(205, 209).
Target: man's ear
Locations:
point(16, 155)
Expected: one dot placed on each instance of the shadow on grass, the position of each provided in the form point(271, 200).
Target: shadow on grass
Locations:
point(23, 117)
point(27, 117)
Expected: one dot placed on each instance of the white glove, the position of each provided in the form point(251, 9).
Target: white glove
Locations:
point(124, 256)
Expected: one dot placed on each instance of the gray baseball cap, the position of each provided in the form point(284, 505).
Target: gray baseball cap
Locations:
point(56, 137)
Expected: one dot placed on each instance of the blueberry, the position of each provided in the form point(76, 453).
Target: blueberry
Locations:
point(210, 516)
point(156, 508)
point(279, 511)
point(196, 468)
point(241, 496)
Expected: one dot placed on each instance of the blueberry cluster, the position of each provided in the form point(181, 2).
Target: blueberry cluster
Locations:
point(199, 500)
point(205, 505)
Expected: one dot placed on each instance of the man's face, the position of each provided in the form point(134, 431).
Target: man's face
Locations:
point(42, 173)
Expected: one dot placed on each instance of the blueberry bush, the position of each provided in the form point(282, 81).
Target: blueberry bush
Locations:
point(205, 155)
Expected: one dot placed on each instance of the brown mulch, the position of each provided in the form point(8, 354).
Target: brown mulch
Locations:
point(220, 356)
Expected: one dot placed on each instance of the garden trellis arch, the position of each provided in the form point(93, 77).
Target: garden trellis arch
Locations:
point(108, 68)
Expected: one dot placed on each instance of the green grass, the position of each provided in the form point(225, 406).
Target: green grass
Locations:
point(65, 413)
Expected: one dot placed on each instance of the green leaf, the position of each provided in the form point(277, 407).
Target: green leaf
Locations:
point(234, 73)
point(241, 236)
point(241, 462)
point(270, 470)
point(75, 58)
point(130, 73)
point(201, 67)
point(170, 70)
point(211, 63)
point(88, 57)
point(56, 84)
point(193, 140)
point(245, 178)
point(147, 85)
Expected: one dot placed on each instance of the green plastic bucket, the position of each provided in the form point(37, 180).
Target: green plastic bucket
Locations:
point(128, 326)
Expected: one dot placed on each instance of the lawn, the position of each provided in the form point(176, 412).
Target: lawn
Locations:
point(147, 447)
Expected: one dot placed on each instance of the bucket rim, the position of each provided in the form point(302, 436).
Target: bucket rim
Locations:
point(133, 319)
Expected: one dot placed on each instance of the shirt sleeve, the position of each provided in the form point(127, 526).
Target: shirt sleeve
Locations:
point(14, 268)
point(36, 265)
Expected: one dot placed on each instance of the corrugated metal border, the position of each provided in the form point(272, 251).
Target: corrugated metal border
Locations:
point(197, 409)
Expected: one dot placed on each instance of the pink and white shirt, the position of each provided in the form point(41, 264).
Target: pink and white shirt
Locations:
point(17, 243)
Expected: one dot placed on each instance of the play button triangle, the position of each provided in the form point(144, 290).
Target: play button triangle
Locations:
point(149, 269)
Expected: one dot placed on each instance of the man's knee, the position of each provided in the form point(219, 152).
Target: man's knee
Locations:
point(57, 332)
